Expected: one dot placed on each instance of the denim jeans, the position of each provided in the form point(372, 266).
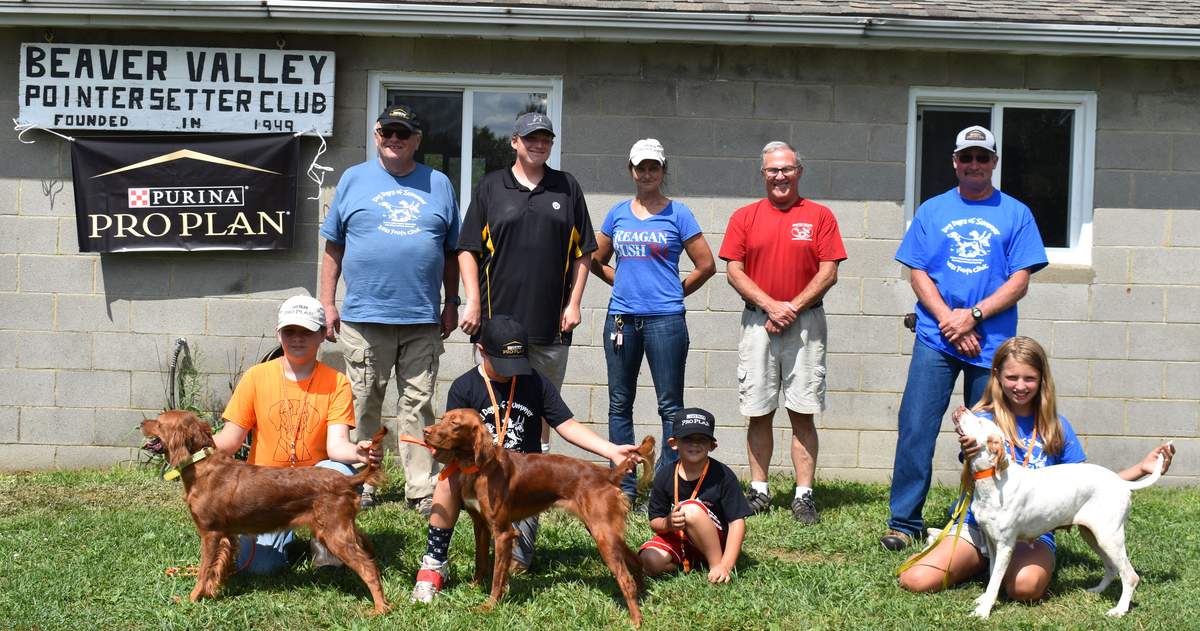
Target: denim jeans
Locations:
point(664, 342)
point(931, 376)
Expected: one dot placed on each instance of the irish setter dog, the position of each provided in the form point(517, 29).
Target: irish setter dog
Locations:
point(228, 497)
point(499, 487)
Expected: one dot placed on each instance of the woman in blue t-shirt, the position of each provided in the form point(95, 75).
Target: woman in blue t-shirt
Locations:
point(646, 312)
point(1019, 397)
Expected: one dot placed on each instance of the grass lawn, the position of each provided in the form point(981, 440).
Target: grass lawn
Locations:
point(89, 550)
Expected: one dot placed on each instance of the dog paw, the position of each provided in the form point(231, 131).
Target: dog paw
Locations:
point(982, 611)
point(1115, 612)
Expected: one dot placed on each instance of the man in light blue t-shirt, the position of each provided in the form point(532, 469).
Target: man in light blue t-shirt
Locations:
point(392, 223)
point(971, 251)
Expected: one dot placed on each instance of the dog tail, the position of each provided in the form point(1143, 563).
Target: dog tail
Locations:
point(646, 451)
point(1153, 477)
point(371, 474)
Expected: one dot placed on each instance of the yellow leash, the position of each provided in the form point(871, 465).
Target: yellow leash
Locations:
point(956, 520)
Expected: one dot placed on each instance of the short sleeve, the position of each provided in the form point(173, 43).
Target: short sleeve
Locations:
point(470, 237)
point(332, 229)
point(459, 395)
point(240, 409)
point(554, 409)
point(912, 252)
point(583, 222)
point(1026, 250)
point(660, 494)
point(687, 225)
point(455, 221)
point(341, 403)
point(1072, 451)
point(733, 501)
point(733, 246)
point(610, 220)
point(829, 241)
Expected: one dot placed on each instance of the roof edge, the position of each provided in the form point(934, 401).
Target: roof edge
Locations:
point(555, 23)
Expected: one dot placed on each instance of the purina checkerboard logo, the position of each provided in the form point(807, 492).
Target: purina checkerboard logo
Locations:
point(187, 197)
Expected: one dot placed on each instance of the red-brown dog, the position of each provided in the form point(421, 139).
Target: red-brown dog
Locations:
point(499, 487)
point(228, 497)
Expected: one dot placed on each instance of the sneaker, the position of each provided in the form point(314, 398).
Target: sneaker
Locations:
point(367, 501)
point(895, 540)
point(430, 579)
point(424, 506)
point(804, 510)
point(759, 502)
point(321, 556)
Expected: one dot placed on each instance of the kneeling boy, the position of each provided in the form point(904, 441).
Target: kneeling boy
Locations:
point(696, 507)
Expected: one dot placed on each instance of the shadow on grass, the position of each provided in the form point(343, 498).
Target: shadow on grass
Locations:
point(1093, 571)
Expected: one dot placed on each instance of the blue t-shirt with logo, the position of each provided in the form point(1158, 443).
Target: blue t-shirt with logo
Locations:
point(969, 249)
point(396, 232)
point(647, 258)
point(1072, 452)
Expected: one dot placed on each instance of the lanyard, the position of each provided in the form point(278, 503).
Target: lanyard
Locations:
point(501, 430)
point(687, 566)
point(1028, 447)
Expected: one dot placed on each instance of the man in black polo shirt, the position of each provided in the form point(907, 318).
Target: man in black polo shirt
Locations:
point(525, 247)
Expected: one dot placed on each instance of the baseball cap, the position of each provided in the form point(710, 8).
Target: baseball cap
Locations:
point(690, 421)
point(975, 136)
point(530, 122)
point(304, 311)
point(505, 343)
point(400, 115)
point(647, 149)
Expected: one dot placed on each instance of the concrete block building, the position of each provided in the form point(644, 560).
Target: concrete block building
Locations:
point(1096, 106)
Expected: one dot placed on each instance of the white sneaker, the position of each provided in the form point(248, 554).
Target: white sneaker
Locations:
point(322, 557)
point(430, 579)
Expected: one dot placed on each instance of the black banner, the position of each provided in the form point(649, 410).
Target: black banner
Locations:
point(185, 193)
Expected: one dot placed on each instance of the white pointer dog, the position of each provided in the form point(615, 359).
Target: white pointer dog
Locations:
point(1015, 503)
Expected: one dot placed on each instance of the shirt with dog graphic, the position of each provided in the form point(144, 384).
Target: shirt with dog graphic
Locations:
point(535, 398)
point(289, 418)
point(1072, 452)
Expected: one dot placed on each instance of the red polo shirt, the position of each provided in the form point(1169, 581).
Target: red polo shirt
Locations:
point(782, 249)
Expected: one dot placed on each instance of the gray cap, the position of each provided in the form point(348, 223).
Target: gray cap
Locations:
point(530, 122)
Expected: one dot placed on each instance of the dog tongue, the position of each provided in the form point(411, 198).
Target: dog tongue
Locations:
point(154, 445)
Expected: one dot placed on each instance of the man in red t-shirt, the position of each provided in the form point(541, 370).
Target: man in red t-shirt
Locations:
point(783, 253)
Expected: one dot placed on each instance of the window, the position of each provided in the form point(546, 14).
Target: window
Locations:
point(1046, 142)
point(467, 121)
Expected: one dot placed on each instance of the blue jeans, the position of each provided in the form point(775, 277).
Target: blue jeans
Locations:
point(664, 342)
point(931, 376)
point(265, 553)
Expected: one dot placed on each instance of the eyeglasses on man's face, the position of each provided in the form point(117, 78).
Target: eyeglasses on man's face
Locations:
point(387, 133)
point(787, 171)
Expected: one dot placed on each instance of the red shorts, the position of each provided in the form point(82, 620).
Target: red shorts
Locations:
point(677, 548)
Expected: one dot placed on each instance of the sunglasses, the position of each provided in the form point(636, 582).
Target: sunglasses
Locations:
point(389, 133)
point(968, 158)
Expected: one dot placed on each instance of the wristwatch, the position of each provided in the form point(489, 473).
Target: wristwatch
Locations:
point(453, 300)
point(977, 313)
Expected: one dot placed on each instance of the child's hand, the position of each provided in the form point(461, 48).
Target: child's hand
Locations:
point(677, 519)
point(718, 573)
point(1150, 462)
point(969, 446)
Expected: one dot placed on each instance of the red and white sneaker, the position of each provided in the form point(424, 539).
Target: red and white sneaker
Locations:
point(430, 579)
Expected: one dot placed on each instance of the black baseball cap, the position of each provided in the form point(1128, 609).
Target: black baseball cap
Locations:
point(505, 343)
point(400, 115)
point(690, 421)
point(530, 122)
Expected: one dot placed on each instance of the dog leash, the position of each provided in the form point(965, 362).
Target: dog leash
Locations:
point(687, 566)
point(956, 520)
point(501, 430)
point(448, 470)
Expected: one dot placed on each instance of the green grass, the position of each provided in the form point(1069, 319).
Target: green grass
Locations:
point(89, 550)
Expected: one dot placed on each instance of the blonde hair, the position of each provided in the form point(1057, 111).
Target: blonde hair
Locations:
point(1024, 350)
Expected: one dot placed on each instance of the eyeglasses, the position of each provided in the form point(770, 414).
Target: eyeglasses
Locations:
point(788, 171)
point(389, 133)
point(968, 158)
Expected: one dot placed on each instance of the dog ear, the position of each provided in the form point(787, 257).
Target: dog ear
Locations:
point(995, 445)
point(198, 434)
point(484, 450)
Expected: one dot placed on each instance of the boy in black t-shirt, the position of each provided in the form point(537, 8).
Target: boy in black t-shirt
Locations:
point(509, 394)
point(697, 506)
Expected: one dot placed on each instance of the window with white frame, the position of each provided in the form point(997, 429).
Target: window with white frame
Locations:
point(1046, 142)
point(467, 121)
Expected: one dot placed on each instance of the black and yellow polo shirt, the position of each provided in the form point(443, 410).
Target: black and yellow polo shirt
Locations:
point(525, 241)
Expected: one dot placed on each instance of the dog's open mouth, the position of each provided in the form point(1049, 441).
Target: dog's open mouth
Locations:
point(154, 446)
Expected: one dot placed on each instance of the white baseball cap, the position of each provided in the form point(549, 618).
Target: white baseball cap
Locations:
point(647, 149)
point(304, 311)
point(975, 136)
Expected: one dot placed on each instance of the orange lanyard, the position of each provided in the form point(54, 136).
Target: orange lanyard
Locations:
point(501, 430)
point(687, 566)
point(1028, 447)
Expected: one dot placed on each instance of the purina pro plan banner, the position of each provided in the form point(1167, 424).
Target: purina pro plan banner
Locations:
point(185, 193)
point(164, 88)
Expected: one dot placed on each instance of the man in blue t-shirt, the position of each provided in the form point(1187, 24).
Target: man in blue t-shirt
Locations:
point(970, 252)
point(392, 223)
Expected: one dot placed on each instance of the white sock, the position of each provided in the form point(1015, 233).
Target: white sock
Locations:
point(545, 448)
point(367, 488)
point(761, 487)
point(801, 490)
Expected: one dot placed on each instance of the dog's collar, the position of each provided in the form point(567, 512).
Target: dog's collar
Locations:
point(455, 467)
point(177, 470)
point(985, 474)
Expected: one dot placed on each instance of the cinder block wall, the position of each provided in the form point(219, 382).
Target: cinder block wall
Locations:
point(84, 339)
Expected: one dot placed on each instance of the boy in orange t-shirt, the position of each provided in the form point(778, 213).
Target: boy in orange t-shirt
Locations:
point(301, 412)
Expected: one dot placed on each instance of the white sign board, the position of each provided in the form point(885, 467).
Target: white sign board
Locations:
point(164, 88)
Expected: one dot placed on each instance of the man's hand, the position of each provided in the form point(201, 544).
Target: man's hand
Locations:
point(781, 312)
point(333, 322)
point(470, 318)
point(957, 324)
point(570, 319)
point(718, 573)
point(448, 320)
point(968, 345)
